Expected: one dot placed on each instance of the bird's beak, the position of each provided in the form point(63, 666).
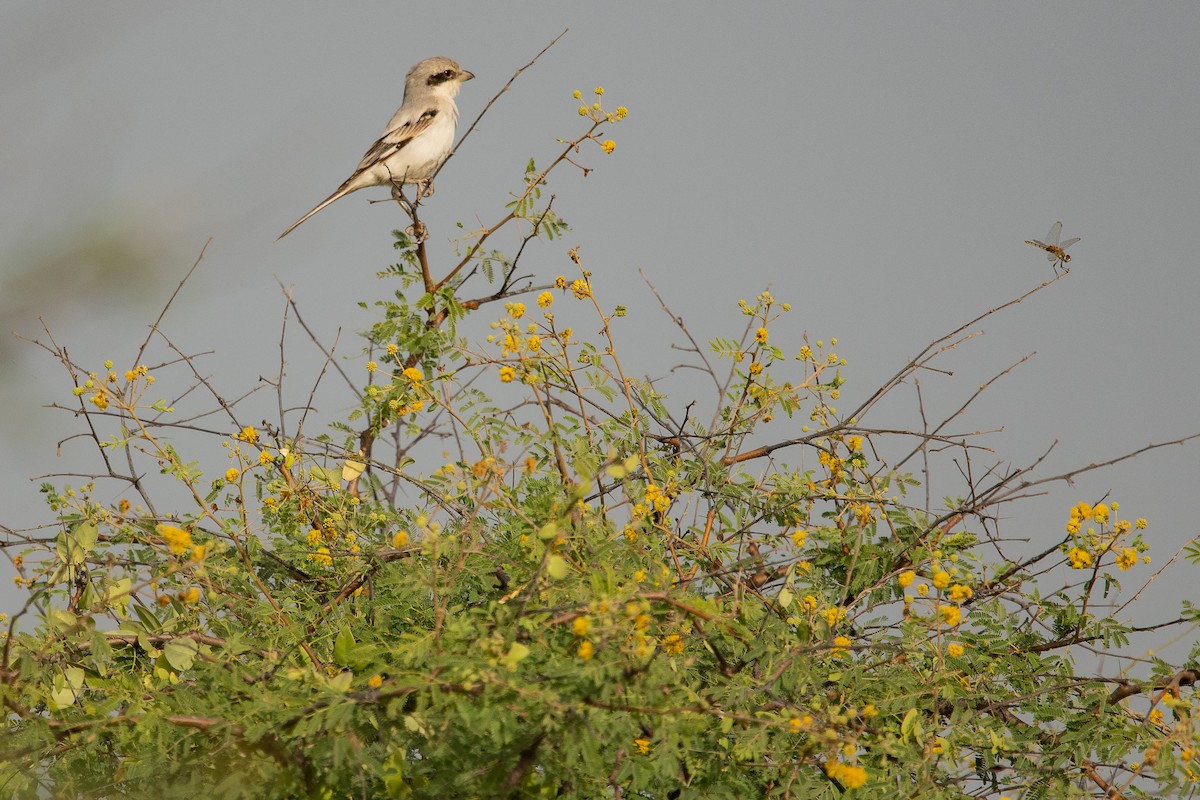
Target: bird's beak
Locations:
point(466, 76)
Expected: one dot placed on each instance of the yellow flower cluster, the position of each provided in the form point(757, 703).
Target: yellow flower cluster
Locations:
point(178, 540)
point(960, 592)
point(950, 615)
point(852, 777)
point(1079, 558)
point(657, 498)
point(1093, 544)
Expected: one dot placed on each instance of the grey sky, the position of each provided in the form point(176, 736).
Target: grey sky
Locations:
point(878, 165)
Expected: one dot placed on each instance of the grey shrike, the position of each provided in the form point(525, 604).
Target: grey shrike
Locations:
point(416, 141)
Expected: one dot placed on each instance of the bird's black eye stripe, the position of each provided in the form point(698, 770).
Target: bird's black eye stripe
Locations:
point(441, 77)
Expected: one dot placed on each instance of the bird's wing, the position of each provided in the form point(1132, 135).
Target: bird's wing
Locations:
point(394, 140)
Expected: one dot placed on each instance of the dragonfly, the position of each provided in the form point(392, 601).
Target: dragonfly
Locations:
point(1056, 251)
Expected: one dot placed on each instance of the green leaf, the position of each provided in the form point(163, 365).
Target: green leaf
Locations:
point(181, 653)
point(910, 726)
point(516, 654)
point(74, 545)
point(343, 647)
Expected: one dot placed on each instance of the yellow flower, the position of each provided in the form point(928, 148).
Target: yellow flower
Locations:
point(321, 557)
point(100, 400)
point(810, 603)
point(854, 442)
point(642, 745)
point(672, 644)
point(190, 595)
point(848, 776)
point(586, 650)
point(608, 146)
point(413, 374)
point(1127, 558)
point(265, 457)
point(756, 368)
point(1141, 523)
point(583, 110)
point(951, 615)
point(372, 366)
point(545, 299)
point(198, 552)
point(841, 645)
point(400, 539)
point(581, 626)
point(580, 288)
point(941, 579)
point(1100, 513)
point(761, 335)
point(515, 310)
point(231, 474)
point(375, 681)
point(313, 537)
point(960, 592)
point(1073, 526)
point(247, 434)
point(622, 112)
point(178, 540)
point(507, 374)
point(1081, 511)
point(560, 282)
point(1079, 558)
point(599, 90)
point(906, 578)
point(954, 650)
point(534, 343)
point(799, 538)
point(833, 615)
point(392, 349)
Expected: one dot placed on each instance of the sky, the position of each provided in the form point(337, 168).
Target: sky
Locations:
point(878, 166)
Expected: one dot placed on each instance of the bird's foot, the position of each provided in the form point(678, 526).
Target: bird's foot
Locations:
point(418, 232)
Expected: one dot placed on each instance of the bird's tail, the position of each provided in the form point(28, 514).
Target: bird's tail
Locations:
point(342, 190)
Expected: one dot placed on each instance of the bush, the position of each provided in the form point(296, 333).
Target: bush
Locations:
point(601, 592)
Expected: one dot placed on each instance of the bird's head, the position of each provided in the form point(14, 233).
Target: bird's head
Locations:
point(439, 75)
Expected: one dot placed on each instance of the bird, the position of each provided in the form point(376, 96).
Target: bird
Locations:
point(417, 140)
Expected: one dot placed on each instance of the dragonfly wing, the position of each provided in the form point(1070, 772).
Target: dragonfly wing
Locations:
point(1068, 243)
point(1055, 232)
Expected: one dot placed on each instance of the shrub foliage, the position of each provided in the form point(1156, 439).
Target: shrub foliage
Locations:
point(515, 570)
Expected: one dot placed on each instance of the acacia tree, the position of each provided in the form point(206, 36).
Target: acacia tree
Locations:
point(516, 570)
